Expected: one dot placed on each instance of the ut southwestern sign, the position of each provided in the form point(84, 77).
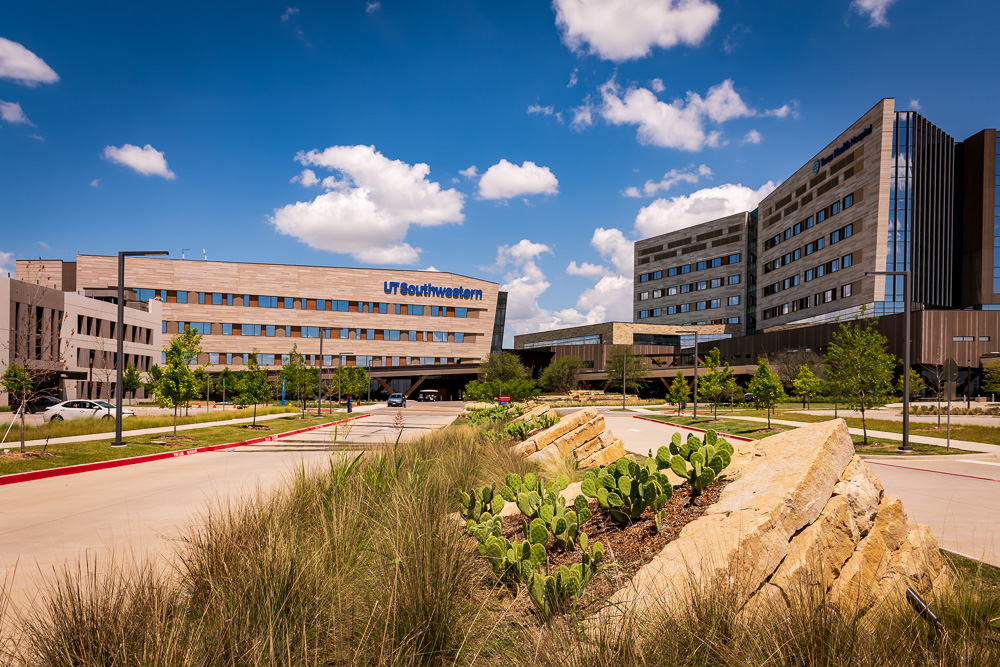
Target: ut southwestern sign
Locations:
point(843, 148)
point(432, 290)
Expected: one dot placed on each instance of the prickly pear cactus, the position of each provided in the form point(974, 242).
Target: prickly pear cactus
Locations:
point(698, 462)
point(472, 505)
point(626, 489)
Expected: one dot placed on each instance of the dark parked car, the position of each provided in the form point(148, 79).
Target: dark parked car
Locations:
point(397, 401)
point(748, 398)
point(40, 403)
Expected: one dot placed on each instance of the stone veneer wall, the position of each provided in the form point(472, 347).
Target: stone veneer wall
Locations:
point(803, 520)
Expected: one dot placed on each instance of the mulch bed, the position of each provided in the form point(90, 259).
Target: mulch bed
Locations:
point(626, 549)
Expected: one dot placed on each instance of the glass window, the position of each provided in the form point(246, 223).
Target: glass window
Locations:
point(809, 275)
point(733, 259)
point(657, 312)
point(809, 222)
point(715, 303)
point(229, 299)
point(461, 312)
point(671, 310)
point(788, 234)
point(845, 290)
point(672, 271)
point(392, 334)
point(701, 284)
point(369, 334)
point(345, 333)
point(733, 301)
point(685, 307)
point(835, 237)
point(644, 278)
point(643, 296)
point(685, 289)
point(820, 243)
point(810, 248)
point(734, 280)
point(213, 358)
point(797, 229)
point(414, 310)
point(686, 268)
point(182, 297)
point(716, 262)
point(459, 337)
point(847, 260)
point(787, 259)
point(269, 330)
point(700, 305)
point(201, 298)
point(288, 302)
point(657, 275)
point(265, 359)
point(849, 202)
point(797, 254)
point(229, 358)
point(145, 294)
point(250, 329)
point(849, 230)
point(320, 304)
point(835, 208)
point(413, 336)
point(701, 266)
point(821, 270)
point(435, 311)
point(821, 215)
point(164, 326)
point(309, 332)
point(227, 329)
point(716, 282)
point(643, 314)
point(657, 293)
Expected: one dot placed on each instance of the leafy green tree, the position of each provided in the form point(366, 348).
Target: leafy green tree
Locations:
point(252, 386)
point(501, 375)
point(788, 363)
point(227, 380)
point(300, 380)
point(503, 367)
point(765, 385)
point(153, 377)
point(807, 385)
point(175, 383)
point(19, 384)
point(680, 391)
point(624, 362)
point(561, 375)
point(352, 381)
point(916, 384)
point(991, 377)
point(718, 381)
point(131, 381)
point(861, 366)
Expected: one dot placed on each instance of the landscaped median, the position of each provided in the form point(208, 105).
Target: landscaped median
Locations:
point(77, 457)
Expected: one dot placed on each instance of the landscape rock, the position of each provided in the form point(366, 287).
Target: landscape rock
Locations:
point(863, 491)
point(583, 435)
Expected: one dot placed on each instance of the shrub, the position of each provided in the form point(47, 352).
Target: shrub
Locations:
point(626, 489)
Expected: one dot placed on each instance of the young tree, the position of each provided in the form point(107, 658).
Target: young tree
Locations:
point(561, 375)
point(788, 363)
point(300, 381)
point(501, 375)
point(252, 386)
point(190, 347)
point(680, 392)
point(807, 384)
point(860, 365)
point(765, 385)
point(718, 381)
point(916, 383)
point(227, 380)
point(352, 381)
point(153, 377)
point(176, 382)
point(991, 377)
point(503, 367)
point(18, 383)
point(131, 381)
point(624, 362)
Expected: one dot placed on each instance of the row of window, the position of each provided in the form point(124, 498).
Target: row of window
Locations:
point(686, 307)
point(836, 236)
point(689, 287)
point(95, 326)
point(817, 299)
point(367, 361)
point(698, 266)
point(969, 339)
point(295, 303)
point(345, 333)
point(820, 216)
point(832, 266)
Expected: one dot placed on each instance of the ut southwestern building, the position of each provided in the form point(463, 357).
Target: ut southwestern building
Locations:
point(891, 192)
point(412, 330)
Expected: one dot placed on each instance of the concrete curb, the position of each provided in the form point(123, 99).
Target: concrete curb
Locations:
point(939, 472)
point(18, 477)
point(692, 428)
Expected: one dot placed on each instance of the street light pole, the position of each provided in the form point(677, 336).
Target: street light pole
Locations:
point(120, 336)
point(695, 332)
point(907, 288)
point(319, 386)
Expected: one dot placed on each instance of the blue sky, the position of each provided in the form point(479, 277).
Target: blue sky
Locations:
point(527, 143)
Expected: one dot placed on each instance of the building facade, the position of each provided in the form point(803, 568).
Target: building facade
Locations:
point(69, 341)
point(398, 324)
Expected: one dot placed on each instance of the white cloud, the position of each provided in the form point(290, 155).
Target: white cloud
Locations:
point(657, 85)
point(44, 245)
point(573, 79)
point(583, 116)
point(146, 160)
point(6, 263)
point(679, 124)
point(784, 111)
point(587, 270)
point(915, 104)
point(469, 173)
point(751, 137)
point(733, 39)
point(372, 7)
point(537, 108)
point(626, 29)
point(689, 174)
point(505, 180)
point(614, 247)
point(289, 13)
point(23, 66)
point(670, 215)
point(368, 211)
point(432, 268)
point(95, 183)
point(874, 9)
point(12, 113)
point(308, 179)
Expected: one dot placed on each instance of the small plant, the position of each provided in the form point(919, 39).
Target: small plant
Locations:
point(519, 430)
point(546, 421)
point(565, 524)
point(486, 526)
point(475, 504)
point(531, 492)
point(626, 489)
point(560, 591)
point(494, 415)
point(516, 562)
point(707, 459)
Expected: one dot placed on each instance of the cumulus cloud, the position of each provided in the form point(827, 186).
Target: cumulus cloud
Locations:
point(539, 109)
point(875, 10)
point(679, 124)
point(751, 137)
point(505, 180)
point(6, 263)
point(12, 113)
point(573, 79)
point(372, 7)
point(583, 116)
point(689, 174)
point(95, 183)
point(670, 215)
point(621, 30)
point(657, 85)
point(734, 40)
point(367, 211)
point(307, 178)
point(915, 104)
point(146, 160)
point(289, 13)
point(587, 270)
point(23, 66)
point(470, 172)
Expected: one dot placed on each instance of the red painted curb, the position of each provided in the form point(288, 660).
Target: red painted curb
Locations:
point(16, 478)
point(692, 428)
point(939, 472)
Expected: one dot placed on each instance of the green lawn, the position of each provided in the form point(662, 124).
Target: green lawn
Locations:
point(100, 450)
point(758, 430)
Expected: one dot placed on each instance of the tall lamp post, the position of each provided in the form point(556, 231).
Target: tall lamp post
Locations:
point(120, 335)
point(907, 288)
point(695, 332)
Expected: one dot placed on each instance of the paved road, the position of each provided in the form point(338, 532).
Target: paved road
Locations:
point(957, 496)
point(140, 510)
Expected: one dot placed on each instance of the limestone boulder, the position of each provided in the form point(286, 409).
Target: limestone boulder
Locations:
point(863, 490)
point(545, 437)
point(605, 456)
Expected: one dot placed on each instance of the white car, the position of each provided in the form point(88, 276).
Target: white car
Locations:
point(80, 408)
